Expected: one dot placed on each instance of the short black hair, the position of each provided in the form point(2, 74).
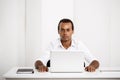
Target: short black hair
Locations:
point(65, 20)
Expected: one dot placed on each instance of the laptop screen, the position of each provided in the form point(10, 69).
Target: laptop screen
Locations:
point(67, 61)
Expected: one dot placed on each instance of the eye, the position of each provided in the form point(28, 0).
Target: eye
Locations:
point(68, 30)
point(62, 30)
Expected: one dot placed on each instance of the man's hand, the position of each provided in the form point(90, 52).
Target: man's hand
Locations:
point(42, 68)
point(93, 66)
point(90, 68)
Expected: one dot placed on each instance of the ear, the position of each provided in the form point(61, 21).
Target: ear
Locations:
point(73, 32)
point(58, 32)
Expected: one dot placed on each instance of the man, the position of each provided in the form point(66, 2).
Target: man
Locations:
point(65, 30)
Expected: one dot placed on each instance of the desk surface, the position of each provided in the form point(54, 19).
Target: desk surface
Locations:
point(97, 74)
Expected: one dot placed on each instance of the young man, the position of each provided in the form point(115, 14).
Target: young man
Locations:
point(65, 42)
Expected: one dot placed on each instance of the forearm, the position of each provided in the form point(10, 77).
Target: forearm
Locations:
point(95, 64)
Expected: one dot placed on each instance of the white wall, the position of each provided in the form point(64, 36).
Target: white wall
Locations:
point(42, 17)
point(12, 34)
point(97, 23)
point(33, 31)
point(115, 33)
point(27, 27)
point(92, 22)
point(51, 13)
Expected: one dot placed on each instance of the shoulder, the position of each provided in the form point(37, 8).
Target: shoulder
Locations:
point(80, 44)
point(53, 44)
point(77, 41)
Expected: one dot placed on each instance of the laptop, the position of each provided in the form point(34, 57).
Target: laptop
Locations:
point(67, 61)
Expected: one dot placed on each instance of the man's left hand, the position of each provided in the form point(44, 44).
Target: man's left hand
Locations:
point(90, 69)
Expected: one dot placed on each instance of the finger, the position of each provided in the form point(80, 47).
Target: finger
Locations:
point(46, 69)
point(42, 69)
point(89, 69)
point(92, 69)
point(86, 69)
point(38, 70)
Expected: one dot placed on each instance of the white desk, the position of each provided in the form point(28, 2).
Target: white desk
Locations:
point(11, 75)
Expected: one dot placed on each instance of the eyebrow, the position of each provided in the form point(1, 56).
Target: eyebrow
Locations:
point(65, 29)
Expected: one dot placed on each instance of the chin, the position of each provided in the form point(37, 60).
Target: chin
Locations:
point(65, 40)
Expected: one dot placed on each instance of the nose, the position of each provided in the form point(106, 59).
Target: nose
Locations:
point(65, 32)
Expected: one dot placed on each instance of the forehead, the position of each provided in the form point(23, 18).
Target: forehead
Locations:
point(65, 25)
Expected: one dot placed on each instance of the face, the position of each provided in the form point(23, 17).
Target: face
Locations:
point(65, 31)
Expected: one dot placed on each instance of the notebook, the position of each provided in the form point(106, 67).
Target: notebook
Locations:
point(67, 61)
point(25, 71)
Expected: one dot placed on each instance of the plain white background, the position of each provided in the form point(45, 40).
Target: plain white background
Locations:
point(27, 27)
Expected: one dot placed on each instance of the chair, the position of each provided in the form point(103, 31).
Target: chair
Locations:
point(48, 63)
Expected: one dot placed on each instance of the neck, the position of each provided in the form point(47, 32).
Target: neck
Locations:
point(66, 44)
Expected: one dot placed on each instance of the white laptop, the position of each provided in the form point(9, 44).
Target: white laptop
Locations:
point(66, 61)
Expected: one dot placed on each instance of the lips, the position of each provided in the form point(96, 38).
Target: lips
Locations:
point(65, 37)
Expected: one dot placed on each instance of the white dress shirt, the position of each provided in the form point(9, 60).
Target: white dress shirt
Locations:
point(57, 46)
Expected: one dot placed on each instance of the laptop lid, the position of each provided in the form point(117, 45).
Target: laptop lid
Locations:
point(67, 61)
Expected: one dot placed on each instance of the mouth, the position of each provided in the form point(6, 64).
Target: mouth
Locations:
point(65, 37)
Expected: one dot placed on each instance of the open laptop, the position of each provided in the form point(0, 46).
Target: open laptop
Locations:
point(67, 61)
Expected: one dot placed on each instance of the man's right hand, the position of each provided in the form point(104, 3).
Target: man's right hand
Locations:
point(42, 68)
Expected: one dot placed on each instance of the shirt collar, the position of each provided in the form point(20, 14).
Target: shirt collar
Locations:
point(60, 44)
